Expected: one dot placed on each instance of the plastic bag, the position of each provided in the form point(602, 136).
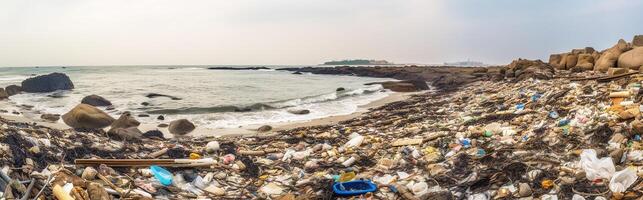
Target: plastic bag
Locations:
point(578, 197)
point(622, 180)
point(596, 168)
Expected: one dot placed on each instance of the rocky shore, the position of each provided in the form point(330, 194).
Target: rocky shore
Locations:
point(528, 130)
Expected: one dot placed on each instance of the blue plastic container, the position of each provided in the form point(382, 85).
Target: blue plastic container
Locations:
point(164, 176)
point(352, 188)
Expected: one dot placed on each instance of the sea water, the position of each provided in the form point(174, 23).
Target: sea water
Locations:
point(210, 98)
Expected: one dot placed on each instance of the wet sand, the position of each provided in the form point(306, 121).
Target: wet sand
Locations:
point(246, 130)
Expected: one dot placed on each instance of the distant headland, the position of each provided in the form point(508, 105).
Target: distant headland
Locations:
point(358, 62)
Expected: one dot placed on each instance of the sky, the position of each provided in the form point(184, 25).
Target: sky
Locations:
point(305, 32)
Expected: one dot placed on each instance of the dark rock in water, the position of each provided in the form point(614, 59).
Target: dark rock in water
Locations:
point(85, 116)
point(96, 100)
point(145, 104)
point(299, 112)
point(47, 83)
point(154, 95)
point(15, 112)
point(242, 109)
point(13, 90)
point(143, 115)
point(3, 111)
point(403, 86)
point(237, 68)
point(181, 127)
point(110, 108)
point(162, 125)
point(57, 95)
point(298, 73)
point(160, 117)
point(153, 134)
point(264, 128)
point(50, 117)
point(3, 94)
point(339, 89)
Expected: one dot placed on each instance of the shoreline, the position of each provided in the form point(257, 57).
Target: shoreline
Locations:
point(249, 130)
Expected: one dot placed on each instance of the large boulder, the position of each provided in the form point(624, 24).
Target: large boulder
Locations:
point(3, 94)
point(13, 90)
point(637, 41)
point(632, 59)
point(85, 116)
point(47, 83)
point(523, 69)
point(585, 62)
point(570, 61)
point(554, 60)
point(181, 127)
point(96, 100)
point(610, 56)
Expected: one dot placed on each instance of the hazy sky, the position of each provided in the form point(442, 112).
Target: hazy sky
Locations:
point(136, 32)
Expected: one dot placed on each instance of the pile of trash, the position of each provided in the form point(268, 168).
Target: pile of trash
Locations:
point(574, 136)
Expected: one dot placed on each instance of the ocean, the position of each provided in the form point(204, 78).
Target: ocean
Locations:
point(209, 98)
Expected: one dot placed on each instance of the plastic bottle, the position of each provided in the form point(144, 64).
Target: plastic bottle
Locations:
point(164, 176)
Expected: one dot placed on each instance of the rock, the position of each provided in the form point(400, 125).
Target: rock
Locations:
point(50, 117)
point(264, 128)
point(524, 190)
point(145, 104)
point(110, 108)
point(570, 61)
point(13, 90)
point(610, 56)
point(637, 41)
point(399, 87)
point(339, 89)
point(153, 133)
point(47, 83)
point(585, 62)
point(125, 121)
point(143, 115)
point(96, 100)
point(3, 94)
point(214, 190)
point(160, 117)
point(299, 112)
point(554, 60)
point(85, 116)
point(523, 69)
point(632, 59)
point(129, 134)
point(298, 73)
point(154, 95)
point(181, 127)
point(162, 125)
point(212, 147)
point(616, 71)
point(89, 173)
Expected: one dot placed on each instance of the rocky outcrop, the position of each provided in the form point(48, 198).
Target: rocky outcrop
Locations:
point(13, 90)
point(125, 128)
point(47, 83)
point(85, 116)
point(181, 127)
point(264, 128)
point(96, 100)
point(523, 69)
point(610, 56)
point(632, 59)
point(555, 60)
point(570, 61)
point(436, 75)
